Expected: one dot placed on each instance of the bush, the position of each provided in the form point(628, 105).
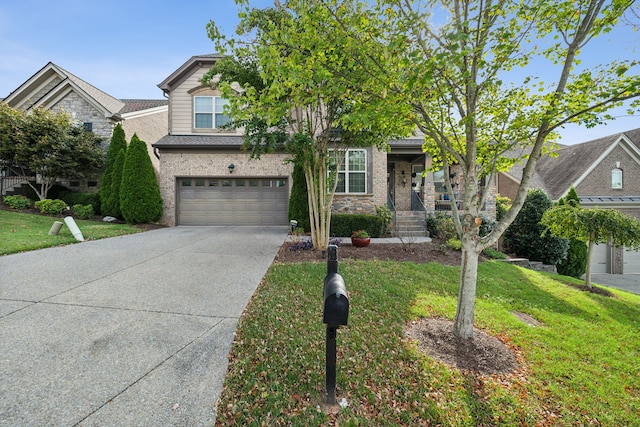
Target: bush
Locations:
point(51, 207)
point(524, 236)
point(140, 199)
point(575, 265)
point(503, 204)
point(454, 243)
point(17, 202)
point(345, 224)
point(73, 198)
point(386, 215)
point(83, 211)
point(493, 254)
point(298, 201)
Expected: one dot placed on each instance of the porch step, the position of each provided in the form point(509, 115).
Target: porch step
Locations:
point(410, 224)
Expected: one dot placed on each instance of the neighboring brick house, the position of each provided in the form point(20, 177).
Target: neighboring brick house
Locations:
point(54, 88)
point(605, 173)
point(206, 178)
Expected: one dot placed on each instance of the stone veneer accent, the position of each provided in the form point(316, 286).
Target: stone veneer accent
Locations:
point(202, 163)
point(85, 112)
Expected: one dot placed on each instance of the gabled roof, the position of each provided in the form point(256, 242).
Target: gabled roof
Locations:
point(44, 85)
point(575, 162)
point(182, 73)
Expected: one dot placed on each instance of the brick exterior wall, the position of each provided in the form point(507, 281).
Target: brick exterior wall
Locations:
point(598, 182)
point(175, 164)
point(507, 187)
point(149, 128)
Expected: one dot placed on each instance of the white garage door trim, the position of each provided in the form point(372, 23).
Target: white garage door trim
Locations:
point(232, 201)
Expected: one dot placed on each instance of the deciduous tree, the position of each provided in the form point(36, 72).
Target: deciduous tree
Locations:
point(48, 144)
point(303, 96)
point(470, 71)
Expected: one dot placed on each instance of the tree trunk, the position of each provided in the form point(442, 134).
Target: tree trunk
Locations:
point(587, 274)
point(463, 325)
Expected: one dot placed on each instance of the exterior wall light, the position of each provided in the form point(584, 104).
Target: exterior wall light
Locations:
point(231, 167)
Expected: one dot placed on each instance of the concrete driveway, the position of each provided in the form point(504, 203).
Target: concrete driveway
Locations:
point(127, 331)
point(626, 282)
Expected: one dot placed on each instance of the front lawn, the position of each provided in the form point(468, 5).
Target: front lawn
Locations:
point(578, 367)
point(21, 232)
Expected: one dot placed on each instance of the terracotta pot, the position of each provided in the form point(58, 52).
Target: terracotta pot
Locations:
point(360, 242)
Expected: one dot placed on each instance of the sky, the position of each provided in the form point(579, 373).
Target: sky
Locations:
point(125, 48)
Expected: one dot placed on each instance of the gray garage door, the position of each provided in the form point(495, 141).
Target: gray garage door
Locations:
point(600, 259)
point(631, 262)
point(232, 201)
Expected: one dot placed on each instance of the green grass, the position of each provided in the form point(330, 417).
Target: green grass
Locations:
point(20, 232)
point(581, 367)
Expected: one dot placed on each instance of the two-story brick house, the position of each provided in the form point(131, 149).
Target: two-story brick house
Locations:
point(606, 173)
point(206, 179)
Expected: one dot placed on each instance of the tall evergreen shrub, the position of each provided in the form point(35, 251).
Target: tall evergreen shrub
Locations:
point(298, 201)
point(524, 236)
point(116, 183)
point(140, 199)
point(108, 200)
point(575, 265)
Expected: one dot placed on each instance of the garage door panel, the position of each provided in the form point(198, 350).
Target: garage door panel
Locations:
point(600, 259)
point(237, 201)
point(631, 262)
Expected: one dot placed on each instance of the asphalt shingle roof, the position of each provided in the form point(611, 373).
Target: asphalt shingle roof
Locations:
point(196, 141)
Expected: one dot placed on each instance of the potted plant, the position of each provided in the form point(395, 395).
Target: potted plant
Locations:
point(360, 239)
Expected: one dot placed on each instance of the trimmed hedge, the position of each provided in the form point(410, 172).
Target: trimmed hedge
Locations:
point(343, 225)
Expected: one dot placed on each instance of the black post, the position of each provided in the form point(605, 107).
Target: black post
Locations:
point(331, 366)
point(332, 259)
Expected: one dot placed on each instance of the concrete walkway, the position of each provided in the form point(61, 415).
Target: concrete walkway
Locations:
point(128, 331)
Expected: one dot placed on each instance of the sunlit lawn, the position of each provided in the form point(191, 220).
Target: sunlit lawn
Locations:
point(580, 367)
point(21, 232)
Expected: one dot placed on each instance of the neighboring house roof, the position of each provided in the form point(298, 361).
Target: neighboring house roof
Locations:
point(136, 105)
point(574, 162)
point(199, 141)
point(187, 69)
point(38, 85)
point(49, 91)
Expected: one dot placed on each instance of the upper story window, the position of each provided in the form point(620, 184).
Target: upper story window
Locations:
point(616, 178)
point(88, 126)
point(209, 112)
point(352, 175)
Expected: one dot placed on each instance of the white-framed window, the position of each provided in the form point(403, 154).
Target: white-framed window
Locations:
point(352, 175)
point(208, 112)
point(616, 178)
